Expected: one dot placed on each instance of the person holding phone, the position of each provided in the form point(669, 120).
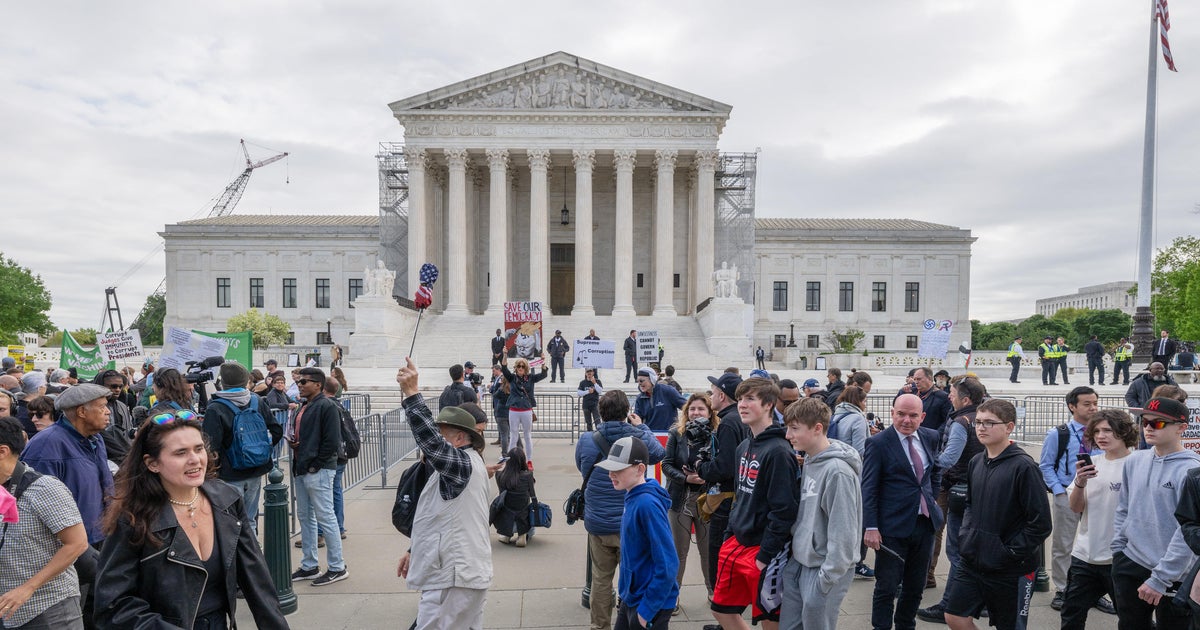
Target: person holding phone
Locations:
point(1093, 495)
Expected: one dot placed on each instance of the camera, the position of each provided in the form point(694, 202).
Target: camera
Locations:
point(697, 431)
point(198, 371)
point(476, 379)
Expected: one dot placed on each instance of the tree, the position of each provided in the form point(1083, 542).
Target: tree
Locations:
point(82, 336)
point(1108, 325)
point(268, 329)
point(993, 336)
point(844, 342)
point(1034, 329)
point(24, 302)
point(1069, 314)
point(149, 322)
point(1175, 281)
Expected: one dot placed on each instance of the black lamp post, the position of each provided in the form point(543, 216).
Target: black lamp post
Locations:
point(566, 214)
point(791, 335)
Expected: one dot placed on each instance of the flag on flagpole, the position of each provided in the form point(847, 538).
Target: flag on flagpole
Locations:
point(1164, 25)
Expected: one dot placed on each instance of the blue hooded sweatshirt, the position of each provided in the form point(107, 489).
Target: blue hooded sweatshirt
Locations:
point(648, 566)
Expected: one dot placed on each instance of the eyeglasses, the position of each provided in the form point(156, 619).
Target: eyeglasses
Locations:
point(39, 414)
point(304, 381)
point(987, 424)
point(1158, 424)
point(183, 415)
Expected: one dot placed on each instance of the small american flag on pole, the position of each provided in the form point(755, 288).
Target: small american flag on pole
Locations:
point(1164, 25)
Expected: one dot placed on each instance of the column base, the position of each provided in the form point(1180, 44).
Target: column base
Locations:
point(494, 309)
point(456, 309)
point(583, 311)
point(624, 310)
point(664, 310)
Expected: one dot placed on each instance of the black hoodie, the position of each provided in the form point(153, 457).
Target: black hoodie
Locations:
point(722, 469)
point(1008, 514)
point(767, 500)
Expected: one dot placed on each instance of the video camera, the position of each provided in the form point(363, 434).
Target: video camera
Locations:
point(198, 371)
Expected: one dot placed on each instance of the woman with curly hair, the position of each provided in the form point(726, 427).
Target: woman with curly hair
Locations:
point(178, 545)
point(691, 432)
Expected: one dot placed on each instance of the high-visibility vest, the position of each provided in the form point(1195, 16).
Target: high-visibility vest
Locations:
point(1047, 350)
point(1013, 350)
point(1122, 353)
point(1059, 351)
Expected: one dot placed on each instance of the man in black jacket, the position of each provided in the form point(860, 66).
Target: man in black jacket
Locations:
point(630, 348)
point(1007, 519)
point(1095, 359)
point(497, 346)
point(316, 438)
point(1163, 349)
point(719, 468)
point(834, 388)
point(557, 347)
point(218, 426)
point(457, 392)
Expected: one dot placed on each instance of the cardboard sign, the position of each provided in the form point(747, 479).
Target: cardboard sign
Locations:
point(120, 344)
point(647, 346)
point(523, 331)
point(935, 338)
point(181, 346)
point(594, 353)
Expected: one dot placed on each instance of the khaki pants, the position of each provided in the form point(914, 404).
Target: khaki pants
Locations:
point(606, 555)
point(1061, 540)
point(452, 608)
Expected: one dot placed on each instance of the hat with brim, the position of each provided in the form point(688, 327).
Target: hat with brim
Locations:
point(460, 418)
point(727, 383)
point(80, 395)
point(1165, 408)
point(625, 452)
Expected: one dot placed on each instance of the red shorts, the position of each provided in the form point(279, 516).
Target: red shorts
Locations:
point(737, 582)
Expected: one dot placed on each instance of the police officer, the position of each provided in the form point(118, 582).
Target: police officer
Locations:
point(1015, 356)
point(1049, 361)
point(1122, 357)
point(1060, 355)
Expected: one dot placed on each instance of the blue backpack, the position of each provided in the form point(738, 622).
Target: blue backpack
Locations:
point(250, 446)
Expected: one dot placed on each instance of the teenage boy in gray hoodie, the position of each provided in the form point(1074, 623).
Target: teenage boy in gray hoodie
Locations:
point(1150, 555)
point(825, 536)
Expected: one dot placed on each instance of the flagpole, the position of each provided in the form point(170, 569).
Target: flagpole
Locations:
point(1143, 331)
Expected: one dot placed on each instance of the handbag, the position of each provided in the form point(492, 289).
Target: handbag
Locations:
point(497, 507)
point(573, 506)
point(540, 514)
point(957, 498)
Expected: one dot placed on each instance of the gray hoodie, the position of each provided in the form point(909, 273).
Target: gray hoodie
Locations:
point(1144, 528)
point(851, 426)
point(828, 525)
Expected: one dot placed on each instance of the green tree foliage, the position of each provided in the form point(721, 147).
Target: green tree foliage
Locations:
point(268, 329)
point(1176, 283)
point(149, 322)
point(1032, 330)
point(82, 336)
point(24, 302)
point(844, 341)
point(1069, 314)
point(993, 336)
point(1109, 325)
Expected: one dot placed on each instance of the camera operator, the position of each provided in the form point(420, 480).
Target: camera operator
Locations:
point(691, 434)
point(474, 378)
point(718, 466)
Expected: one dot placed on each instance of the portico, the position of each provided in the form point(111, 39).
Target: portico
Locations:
point(491, 160)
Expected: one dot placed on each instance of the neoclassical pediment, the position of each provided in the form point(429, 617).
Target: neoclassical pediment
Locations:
point(560, 82)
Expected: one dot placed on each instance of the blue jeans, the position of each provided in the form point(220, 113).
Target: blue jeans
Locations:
point(251, 491)
point(339, 508)
point(953, 526)
point(314, 506)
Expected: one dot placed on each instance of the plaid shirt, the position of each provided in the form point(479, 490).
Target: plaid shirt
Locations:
point(452, 464)
point(46, 508)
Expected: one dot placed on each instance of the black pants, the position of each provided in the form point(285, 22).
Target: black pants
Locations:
point(1062, 365)
point(716, 535)
point(85, 568)
point(630, 366)
point(1086, 583)
point(556, 367)
point(627, 619)
point(1132, 612)
point(909, 575)
point(591, 415)
point(1092, 367)
point(1016, 363)
point(1119, 368)
point(1049, 369)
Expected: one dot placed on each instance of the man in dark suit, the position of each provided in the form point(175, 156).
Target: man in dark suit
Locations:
point(497, 346)
point(1164, 349)
point(900, 511)
point(630, 348)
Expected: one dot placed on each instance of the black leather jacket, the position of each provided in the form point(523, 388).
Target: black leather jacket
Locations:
point(149, 587)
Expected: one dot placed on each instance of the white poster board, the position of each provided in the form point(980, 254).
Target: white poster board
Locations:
point(935, 338)
point(647, 346)
point(120, 344)
point(594, 353)
point(182, 345)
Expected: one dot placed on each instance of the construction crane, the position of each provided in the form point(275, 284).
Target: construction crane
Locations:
point(224, 206)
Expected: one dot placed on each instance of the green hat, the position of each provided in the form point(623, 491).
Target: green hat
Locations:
point(460, 418)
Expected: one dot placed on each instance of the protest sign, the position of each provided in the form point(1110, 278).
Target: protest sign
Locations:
point(240, 346)
point(87, 363)
point(935, 338)
point(647, 346)
point(523, 331)
point(594, 353)
point(120, 344)
point(181, 346)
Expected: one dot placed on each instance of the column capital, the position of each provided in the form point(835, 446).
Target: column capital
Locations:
point(707, 158)
point(624, 159)
point(497, 159)
point(664, 159)
point(456, 158)
point(585, 159)
point(538, 158)
point(416, 158)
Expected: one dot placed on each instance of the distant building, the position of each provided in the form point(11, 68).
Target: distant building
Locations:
point(1097, 297)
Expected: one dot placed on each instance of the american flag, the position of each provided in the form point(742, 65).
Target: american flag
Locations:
point(1164, 23)
point(424, 295)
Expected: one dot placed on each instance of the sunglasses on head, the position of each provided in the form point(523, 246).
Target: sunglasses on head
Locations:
point(182, 414)
point(1151, 423)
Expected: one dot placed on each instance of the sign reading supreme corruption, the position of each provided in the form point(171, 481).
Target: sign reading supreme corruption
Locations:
point(523, 331)
point(594, 353)
point(120, 344)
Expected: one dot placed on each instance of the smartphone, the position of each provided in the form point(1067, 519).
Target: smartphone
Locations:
point(502, 460)
point(1084, 459)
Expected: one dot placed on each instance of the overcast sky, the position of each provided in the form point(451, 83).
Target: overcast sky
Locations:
point(1021, 120)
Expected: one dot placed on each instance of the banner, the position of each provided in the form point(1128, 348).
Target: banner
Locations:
point(594, 353)
point(87, 363)
point(240, 346)
point(647, 347)
point(121, 344)
point(181, 346)
point(523, 331)
point(935, 339)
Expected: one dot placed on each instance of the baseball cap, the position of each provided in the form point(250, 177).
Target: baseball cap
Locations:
point(760, 374)
point(625, 452)
point(469, 364)
point(727, 383)
point(812, 382)
point(1165, 408)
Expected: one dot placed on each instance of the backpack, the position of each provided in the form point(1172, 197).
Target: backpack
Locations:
point(351, 441)
point(1063, 438)
point(250, 446)
point(573, 506)
point(833, 431)
point(408, 492)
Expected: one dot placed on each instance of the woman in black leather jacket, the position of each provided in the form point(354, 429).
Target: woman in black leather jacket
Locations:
point(697, 422)
point(178, 546)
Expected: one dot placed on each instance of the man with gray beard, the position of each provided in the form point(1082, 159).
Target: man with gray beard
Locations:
point(1141, 388)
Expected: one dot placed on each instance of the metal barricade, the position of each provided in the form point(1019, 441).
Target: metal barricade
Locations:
point(558, 415)
point(359, 405)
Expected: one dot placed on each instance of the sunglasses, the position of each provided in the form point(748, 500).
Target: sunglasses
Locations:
point(1158, 424)
point(304, 381)
point(183, 415)
point(39, 414)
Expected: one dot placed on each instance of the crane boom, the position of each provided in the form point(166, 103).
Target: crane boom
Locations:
point(233, 192)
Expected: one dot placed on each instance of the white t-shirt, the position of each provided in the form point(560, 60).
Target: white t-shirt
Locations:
point(1093, 539)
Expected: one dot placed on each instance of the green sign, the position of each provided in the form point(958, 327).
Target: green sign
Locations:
point(87, 363)
point(240, 348)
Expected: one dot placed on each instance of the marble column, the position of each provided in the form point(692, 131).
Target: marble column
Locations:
point(539, 232)
point(585, 162)
point(664, 233)
point(497, 227)
point(456, 230)
point(416, 159)
point(623, 161)
point(706, 219)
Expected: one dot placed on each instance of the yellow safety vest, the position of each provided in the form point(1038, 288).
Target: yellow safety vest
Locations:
point(1047, 351)
point(1122, 353)
point(1012, 350)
